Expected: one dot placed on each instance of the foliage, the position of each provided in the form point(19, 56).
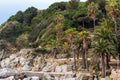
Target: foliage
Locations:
point(23, 41)
point(11, 31)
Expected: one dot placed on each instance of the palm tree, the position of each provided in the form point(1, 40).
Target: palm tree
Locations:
point(106, 34)
point(113, 11)
point(93, 11)
point(109, 36)
point(101, 48)
point(85, 36)
point(70, 37)
point(107, 24)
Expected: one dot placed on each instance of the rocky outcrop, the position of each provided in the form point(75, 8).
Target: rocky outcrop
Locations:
point(25, 67)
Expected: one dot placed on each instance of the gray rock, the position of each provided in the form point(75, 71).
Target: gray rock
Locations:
point(50, 67)
point(7, 72)
point(58, 69)
point(69, 75)
point(56, 78)
point(9, 78)
point(27, 68)
point(2, 63)
point(66, 68)
point(47, 76)
point(12, 57)
point(35, 78)
point(3, 54)
point(5, 63)
point(22, 61)
point(63, 68)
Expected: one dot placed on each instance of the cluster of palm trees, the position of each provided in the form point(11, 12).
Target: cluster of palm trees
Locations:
point(105, 36)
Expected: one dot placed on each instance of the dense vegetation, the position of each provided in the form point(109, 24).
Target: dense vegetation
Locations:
point(69, 28)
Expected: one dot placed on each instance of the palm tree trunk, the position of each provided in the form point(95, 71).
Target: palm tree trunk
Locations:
point(83, 24)
point(94, 23)
point(74, 60)
point(97, 62)
point(54, 53)
point(103, 65)
point(78, 54)
point(83, 59)
point(78, 50)
point(86, 56)
point(107, 61)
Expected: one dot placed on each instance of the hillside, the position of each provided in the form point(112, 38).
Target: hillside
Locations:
point(36, 24)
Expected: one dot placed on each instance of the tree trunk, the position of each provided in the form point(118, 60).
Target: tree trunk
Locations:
point(94, 23)
point(107, 61)
point(103, 65)
point(78, 52)
point(74, 61)
point(83, 24)
point(54, 52)
point(83, 59)
point(86, 56)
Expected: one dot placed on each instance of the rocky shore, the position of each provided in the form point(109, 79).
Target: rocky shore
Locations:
point(23, 65)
